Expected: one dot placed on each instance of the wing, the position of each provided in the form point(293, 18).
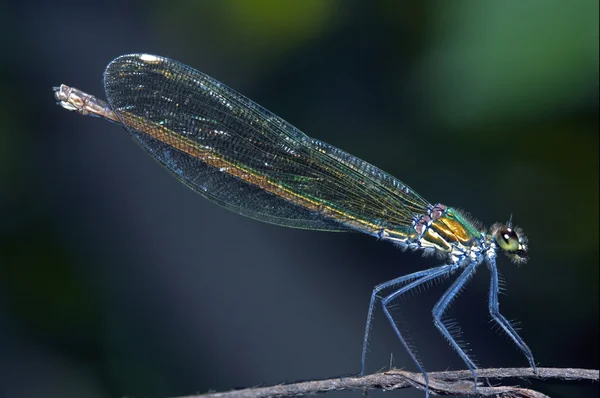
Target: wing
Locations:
point(241, 156)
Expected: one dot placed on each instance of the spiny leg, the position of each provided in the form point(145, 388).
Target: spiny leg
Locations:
point(494, 307)
point(427, 276)
point(374, 297)
point(442, 305)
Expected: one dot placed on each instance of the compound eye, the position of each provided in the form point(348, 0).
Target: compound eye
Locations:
point(507, 239)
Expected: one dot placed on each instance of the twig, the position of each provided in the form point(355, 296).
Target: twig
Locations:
point(440, 383)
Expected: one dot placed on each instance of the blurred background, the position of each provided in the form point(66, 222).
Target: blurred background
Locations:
point(117, 280)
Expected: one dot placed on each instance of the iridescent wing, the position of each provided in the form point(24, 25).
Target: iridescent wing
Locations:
point(241, 156)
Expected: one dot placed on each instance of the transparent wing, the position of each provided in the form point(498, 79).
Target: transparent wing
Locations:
point(241, 156)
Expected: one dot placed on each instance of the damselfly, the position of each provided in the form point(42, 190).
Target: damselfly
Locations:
point(241, 156)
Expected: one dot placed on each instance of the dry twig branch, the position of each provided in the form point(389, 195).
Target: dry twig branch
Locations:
point(440, 383)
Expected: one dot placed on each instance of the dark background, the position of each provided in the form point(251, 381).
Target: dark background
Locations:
point(117, 280)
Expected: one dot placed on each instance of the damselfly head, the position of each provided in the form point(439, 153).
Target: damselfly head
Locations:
point(511, 241)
